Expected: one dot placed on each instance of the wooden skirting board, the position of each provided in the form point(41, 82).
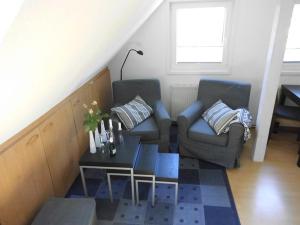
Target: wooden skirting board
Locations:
point(42, 160)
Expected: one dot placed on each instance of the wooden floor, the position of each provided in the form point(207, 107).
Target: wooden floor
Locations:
point(268, 193)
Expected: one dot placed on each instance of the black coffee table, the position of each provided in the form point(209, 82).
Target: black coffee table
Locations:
point(152, 167)
point(125, 159)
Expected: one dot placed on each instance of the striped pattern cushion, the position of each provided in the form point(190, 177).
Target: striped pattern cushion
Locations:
point(218, 116)
point(133, 113)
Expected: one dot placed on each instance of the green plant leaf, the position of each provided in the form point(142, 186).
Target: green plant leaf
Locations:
point(91, 120)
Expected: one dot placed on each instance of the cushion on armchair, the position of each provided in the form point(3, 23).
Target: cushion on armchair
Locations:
point(218, 116)
point(147, 130)
point(201, 131)
point(133, 113)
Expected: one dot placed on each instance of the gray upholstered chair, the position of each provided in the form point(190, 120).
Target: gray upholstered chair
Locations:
point(155, 129)
point(198, 139)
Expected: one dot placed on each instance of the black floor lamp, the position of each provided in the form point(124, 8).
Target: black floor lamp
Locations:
point(137, 51)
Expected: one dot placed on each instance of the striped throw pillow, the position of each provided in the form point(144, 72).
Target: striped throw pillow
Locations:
point(133, 113)
point(218, 116)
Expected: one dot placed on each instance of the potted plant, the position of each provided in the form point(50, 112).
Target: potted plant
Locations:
point(91, 120)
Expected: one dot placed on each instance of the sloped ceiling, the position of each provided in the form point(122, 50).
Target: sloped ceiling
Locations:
point(8, 11)
point(54, 46)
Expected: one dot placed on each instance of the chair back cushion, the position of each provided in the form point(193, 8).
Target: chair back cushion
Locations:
point(133, 113)
point(125, 90)
point(234, 94)
point(219, 116)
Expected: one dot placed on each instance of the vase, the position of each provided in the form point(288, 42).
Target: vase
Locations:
point(92, 143)
point(103, 132)
point(120, 133)
point(97, 138)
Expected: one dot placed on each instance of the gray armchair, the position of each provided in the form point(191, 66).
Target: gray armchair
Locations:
point(198, 139)
point(155, 129)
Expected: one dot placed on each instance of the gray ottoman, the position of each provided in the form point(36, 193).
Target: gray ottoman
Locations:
point(64, 211)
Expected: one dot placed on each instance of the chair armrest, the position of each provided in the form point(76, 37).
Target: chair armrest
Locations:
point(189, 116)
point(236, 133)
point(162, 116)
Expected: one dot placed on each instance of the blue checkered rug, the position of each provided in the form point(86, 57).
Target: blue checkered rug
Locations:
point(204, 198)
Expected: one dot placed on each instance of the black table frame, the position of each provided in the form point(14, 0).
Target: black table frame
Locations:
point(90, 161)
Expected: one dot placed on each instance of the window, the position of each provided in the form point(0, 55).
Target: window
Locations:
point(199, 36)
point(292, 51)
point(196, 39)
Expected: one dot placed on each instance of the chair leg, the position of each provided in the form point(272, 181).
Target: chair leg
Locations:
point(276, 127)
point(237, 163)
point(298, 162)
point(272, 128)
point(298, 137)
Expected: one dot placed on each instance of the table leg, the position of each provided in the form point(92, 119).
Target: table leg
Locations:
point(153, 190)
point(83, 182)
point(109, 188)
point(176, 193)
point(137, 192)
point(132, 186)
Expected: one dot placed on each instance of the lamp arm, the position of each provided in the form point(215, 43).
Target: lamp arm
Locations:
point(121, 77)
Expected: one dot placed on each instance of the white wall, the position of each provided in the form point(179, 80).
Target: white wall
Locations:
point(290, 79)
point(252, 26)
point(54, 46)
point(272, 75)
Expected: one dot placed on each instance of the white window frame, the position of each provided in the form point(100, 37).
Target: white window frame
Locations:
point(200, 67)
point(291, 68)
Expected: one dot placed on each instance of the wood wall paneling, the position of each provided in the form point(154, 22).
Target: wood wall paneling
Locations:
point(25, 180)
point(101, 90)
point(80, 97)
point(107, 101)
point(42, 159)
point(61, 147)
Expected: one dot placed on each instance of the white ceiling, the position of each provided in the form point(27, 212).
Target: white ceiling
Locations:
point(54, 46)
